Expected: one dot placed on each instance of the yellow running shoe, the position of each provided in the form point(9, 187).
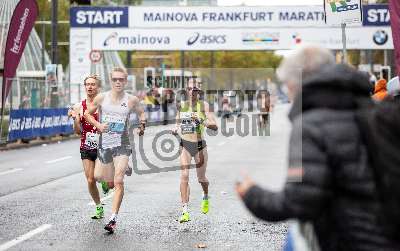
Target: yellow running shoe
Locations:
point(99, 213)
point(205, 206)
point(184, 218)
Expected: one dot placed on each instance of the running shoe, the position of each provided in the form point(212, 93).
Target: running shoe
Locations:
point(105, 187)
point(184, 218)
point(204, 206)
point(99, 213)
point(110, 227)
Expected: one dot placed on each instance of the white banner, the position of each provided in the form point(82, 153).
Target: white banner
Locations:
point(239, 39)
point(79, 51)
point(80, 47)
point(339, 12)
point(226, 17)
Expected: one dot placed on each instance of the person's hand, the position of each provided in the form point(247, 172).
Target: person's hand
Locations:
point(196, 119)
point(244, 186)
point(72, 113)
point(103, 128)
point(195, 116)
point(175, 130)
point(141, 130)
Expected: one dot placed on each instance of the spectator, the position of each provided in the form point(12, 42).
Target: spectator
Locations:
point(330, 184)
point(380, 92)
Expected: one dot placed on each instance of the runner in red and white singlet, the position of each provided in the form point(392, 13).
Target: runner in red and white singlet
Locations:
point(89, 142)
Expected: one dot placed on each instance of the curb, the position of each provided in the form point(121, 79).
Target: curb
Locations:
point(36, 142)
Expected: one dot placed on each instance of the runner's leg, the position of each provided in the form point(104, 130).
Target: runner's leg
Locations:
point(121, 165)
point(89, 167)
point(201, 159)
point(184, 184)
point(185, 167)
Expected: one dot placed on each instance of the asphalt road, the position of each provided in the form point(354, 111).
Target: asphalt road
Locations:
point(44, 203)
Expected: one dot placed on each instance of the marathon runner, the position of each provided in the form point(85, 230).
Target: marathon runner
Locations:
point(114, 147)
point(192, 118)
point(264, 105)
point(89, 141)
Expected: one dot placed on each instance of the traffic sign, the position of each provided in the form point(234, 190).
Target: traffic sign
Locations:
point(95, 56)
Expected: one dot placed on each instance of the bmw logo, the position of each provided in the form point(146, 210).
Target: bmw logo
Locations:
point(380, 37)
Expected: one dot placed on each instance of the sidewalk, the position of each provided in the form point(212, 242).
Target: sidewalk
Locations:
point(35, 142)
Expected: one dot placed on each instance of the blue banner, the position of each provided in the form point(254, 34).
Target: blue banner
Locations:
point(96, 17)
point(31, 123)
point(376, 15)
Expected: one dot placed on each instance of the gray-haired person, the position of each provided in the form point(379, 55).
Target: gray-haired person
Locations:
point(330, 184)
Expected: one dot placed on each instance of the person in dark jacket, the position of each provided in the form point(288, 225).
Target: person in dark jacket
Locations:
point(330, 183)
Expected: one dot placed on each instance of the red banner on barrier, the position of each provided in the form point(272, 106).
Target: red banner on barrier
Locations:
point(394, 8)
point(20, 28)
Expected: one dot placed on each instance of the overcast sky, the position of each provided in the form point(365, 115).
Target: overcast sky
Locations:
point(270, 2)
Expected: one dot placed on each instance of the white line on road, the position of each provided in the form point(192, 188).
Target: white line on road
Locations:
point(11, 171)
point(221, 143)
point(102, 199)
point(24, 237)
point(57, 160)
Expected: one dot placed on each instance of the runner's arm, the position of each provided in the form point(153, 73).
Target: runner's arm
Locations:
point(77, 119)
point(91, 109)
point(210, 119)
point(177, 123)
point(74, 113)
point(134, 104)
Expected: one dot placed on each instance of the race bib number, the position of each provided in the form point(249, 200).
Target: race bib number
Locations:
point(92, 140)
point(115, 124)
point(187, 124)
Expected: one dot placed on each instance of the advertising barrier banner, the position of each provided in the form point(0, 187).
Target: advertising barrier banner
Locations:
point(31, 123)
point(239, 39)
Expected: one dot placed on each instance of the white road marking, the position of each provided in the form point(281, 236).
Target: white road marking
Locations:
point(24, 237)
point(221, 143)
point(57, 160)
point(11, 171)
point(102, 199)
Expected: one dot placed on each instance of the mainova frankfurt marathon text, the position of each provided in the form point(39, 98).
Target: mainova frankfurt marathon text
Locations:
point(232, 16)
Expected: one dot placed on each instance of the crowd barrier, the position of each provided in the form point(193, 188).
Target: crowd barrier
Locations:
point(32, 123)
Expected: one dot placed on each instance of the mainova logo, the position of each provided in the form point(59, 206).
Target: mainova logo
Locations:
point(144, 39)
point(99, 17)
point(112, 36)
point(206, 39)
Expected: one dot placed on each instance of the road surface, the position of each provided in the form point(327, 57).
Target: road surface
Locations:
point(45, 205)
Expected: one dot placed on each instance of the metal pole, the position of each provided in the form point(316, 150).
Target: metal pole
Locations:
point(43, 45)
point(183, 69)
point(212, 64)
point(129, 61)
point(54, 7)
point(385, 57)
point(344, 41)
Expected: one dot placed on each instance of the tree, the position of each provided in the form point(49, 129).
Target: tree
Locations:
point(63, 29)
